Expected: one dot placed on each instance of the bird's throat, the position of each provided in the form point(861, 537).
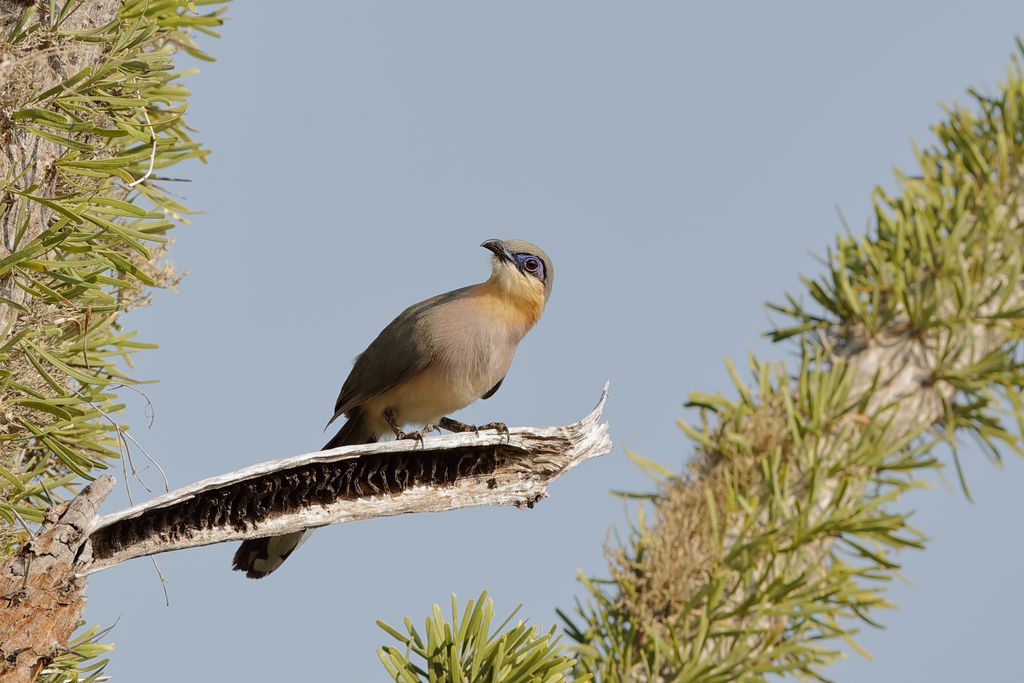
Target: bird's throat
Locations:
point(514, 297)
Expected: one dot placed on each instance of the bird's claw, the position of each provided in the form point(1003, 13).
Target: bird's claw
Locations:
point(418, 435)
point(461, 427)
point(499, 427)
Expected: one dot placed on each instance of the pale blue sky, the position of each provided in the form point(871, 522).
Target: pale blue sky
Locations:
point(680, 164)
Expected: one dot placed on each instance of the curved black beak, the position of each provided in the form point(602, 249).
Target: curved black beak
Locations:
point(500, 249)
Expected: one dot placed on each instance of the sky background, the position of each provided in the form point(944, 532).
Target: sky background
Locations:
point(682, 164)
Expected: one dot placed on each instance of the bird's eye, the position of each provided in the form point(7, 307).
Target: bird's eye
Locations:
point(531, 264)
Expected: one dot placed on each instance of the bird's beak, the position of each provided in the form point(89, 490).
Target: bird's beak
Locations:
point(500, 250)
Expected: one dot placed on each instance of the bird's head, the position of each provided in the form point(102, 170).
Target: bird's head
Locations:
point(521, 267)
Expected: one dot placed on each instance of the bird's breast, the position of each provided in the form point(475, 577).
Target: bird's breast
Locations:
point(470, 353)
point(473, 353)
point(471, 341)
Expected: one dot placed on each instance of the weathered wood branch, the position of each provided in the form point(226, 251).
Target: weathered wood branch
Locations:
point(352, 483)
point(41, 590)
point(42, 587)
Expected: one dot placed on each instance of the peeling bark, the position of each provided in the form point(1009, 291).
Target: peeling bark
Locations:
point(42, 587)
point(352, 483)
point(42, 592)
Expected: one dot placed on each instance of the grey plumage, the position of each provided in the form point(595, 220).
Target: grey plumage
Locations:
point(436, 357)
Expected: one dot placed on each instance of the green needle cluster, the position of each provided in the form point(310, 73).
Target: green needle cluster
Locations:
point(92, 116)
point(776, 546)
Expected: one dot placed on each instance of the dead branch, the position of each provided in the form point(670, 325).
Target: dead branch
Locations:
point(352, 483)
point(42, 587)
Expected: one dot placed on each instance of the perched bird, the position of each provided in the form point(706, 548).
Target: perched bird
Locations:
point(437, 357)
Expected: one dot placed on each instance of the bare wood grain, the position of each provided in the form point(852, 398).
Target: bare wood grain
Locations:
point(352, 483)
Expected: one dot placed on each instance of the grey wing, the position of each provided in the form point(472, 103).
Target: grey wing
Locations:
point(400, 351)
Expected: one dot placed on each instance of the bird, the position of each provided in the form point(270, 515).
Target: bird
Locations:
point(435, 358)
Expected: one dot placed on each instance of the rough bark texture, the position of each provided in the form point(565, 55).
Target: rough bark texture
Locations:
point(42, 592)
point(41, 598)
point(351, 483)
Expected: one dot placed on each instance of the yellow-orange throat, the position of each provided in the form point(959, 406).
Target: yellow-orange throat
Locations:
point(513, 296)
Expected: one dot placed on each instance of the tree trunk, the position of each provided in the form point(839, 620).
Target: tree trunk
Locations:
point(42, 593)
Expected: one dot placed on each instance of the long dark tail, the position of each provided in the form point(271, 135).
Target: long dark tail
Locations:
point(257, 557)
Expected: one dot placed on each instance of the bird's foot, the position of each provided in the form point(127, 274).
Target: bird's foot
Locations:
point(418, 435)
point(456, 426)
point(500, 427)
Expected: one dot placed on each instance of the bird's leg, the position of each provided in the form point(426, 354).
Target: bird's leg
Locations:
point(456, 426)
point(389, 417)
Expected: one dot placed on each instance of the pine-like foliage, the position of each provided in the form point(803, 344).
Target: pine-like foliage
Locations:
point(773, 548)
point(467, 651)
point(91, 114)
point(780, 539)
point(777, 545)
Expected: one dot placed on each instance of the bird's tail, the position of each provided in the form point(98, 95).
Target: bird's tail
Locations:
point(352, 432)
point(257, 557)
